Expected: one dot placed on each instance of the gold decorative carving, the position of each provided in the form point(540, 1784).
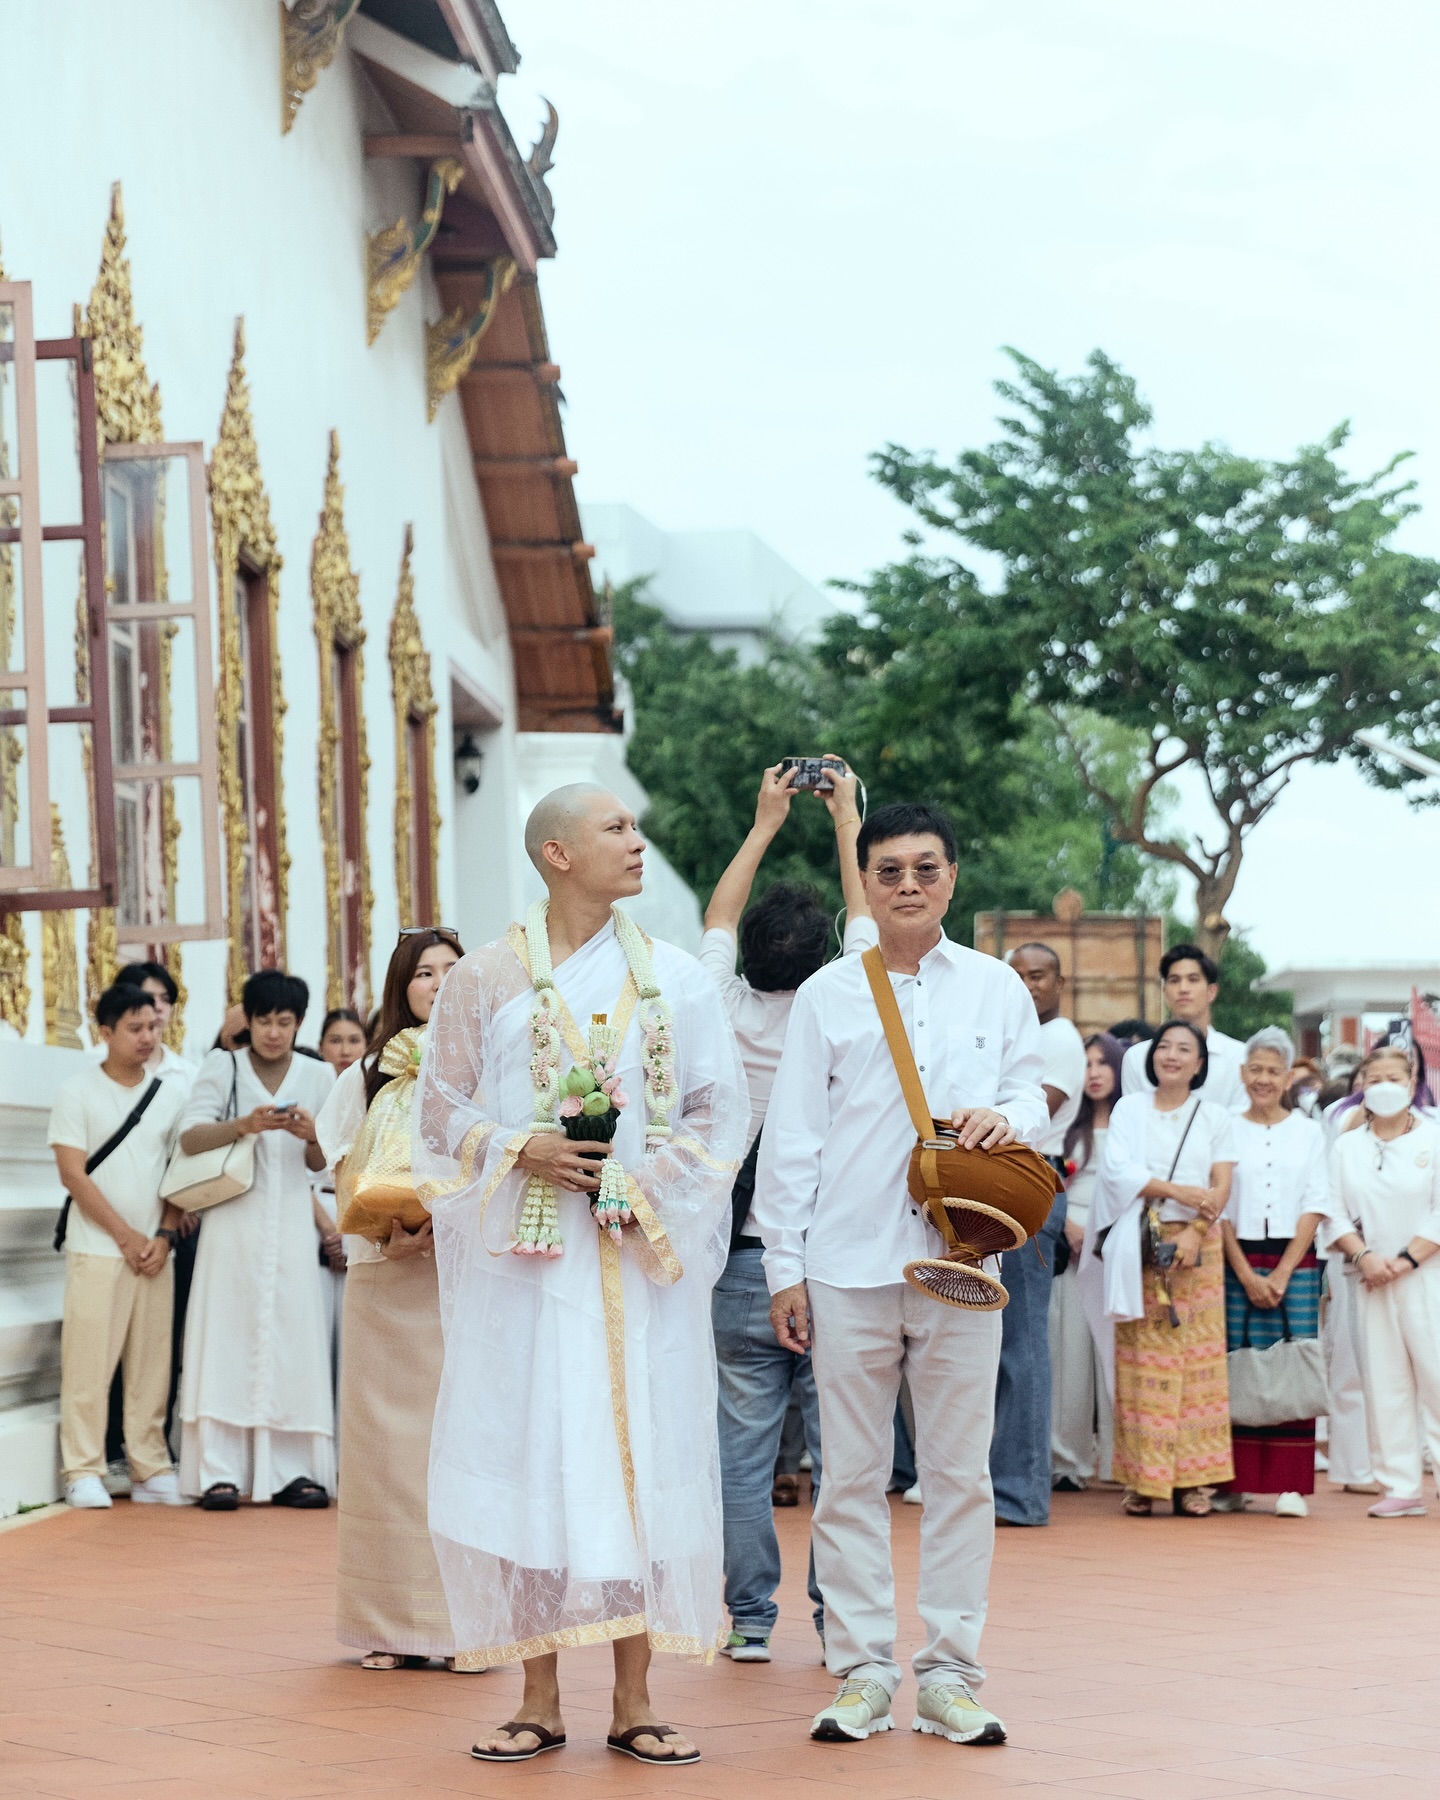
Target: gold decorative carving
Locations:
point(128, 406)
point(58, 962)
point(451, 342)
point(414, 699)
point(14, 951)
point(393, 256)
point(310, 34)
point(335, 597)
point(240, 510)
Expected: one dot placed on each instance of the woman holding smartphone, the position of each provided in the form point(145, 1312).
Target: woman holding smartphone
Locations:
point(390, 1600)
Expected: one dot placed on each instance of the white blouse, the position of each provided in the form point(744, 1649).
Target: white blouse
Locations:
point(1387, 1191)
point(1279, 1175)
point(1080, 1187)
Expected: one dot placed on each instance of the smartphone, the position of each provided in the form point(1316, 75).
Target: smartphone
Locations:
point(283, 1106)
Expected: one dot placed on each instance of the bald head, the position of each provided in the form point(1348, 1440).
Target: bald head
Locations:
point(556, 817)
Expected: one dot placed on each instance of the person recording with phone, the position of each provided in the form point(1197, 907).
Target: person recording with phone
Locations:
point(783, 939)
point(256, 1404)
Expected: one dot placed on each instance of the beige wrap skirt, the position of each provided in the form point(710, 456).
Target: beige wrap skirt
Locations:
point(389, 1592)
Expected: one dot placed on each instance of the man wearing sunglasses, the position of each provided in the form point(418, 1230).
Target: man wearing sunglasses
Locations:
point(839, 1226)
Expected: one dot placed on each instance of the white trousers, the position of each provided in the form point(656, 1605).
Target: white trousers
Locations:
point(254, 1459)
point(1348, 1444)
point(1400, 1360)
point(865, 1339)
point(1079, 1394)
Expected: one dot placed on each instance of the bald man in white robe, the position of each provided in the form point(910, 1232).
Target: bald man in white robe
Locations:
point(574, 1487)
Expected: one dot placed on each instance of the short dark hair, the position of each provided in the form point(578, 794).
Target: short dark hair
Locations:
point(905, 818)
point(1132, 1031)
point(271, 991)
point(1044, 949)
point(783, 937)
point(119, 998)
point(1197, 1080)
point(136, 974)
point(1179, 953)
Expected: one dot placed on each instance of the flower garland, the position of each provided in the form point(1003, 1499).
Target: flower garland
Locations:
point(539, 1230)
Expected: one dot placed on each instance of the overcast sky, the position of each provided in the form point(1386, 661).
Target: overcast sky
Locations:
point(792, 231)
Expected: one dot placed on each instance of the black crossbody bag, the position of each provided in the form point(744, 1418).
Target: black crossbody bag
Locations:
point(111, 1144)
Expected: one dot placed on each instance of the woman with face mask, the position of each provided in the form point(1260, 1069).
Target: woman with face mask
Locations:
point(1385, 1219)
point(390, 1601)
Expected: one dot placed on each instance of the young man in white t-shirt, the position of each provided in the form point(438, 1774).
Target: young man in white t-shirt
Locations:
point(784, 938)
point(1191, 985)
point(1020, 1461)
point(118, 1279)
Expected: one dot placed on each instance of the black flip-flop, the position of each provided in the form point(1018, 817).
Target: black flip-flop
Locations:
point(302, 1492)
point(220, 1496)
point(549, 1740)
point(625, 1744)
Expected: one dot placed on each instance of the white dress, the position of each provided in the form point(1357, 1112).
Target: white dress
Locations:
point(256, 1403)
point(1081, 1421)
point(530, 1505)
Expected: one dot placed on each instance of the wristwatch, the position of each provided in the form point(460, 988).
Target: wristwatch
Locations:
point(170, 1235)
point(1410, 1259)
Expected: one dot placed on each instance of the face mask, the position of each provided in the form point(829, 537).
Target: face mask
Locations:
point(1386, 1098)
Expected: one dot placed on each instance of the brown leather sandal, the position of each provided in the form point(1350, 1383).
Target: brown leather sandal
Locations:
point(625, 1744)
point(1192, 1503)
point(548, 1740)
point(1136, 1506)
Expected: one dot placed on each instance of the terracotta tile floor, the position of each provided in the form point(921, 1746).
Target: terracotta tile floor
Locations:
point(158, 1655)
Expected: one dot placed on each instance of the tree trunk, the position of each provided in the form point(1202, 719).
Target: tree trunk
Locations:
point(1212, 928)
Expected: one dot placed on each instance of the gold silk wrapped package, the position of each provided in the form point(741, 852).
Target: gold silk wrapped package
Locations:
point(373, 1184)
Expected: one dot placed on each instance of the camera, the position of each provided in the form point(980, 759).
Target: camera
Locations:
point(813, 773)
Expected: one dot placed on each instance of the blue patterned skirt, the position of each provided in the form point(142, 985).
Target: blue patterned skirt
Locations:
point(1273, 1459)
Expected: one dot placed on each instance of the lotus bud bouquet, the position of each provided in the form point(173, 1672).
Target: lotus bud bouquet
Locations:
point(591, 1101)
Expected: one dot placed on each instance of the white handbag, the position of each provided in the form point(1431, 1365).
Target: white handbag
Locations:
point(1278, 1385)
point(195, 1183)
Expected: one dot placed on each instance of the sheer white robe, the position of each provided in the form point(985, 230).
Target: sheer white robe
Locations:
point(528, 1497)
point(256, 1402)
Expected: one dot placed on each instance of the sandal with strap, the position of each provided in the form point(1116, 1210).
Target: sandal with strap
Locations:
point(1136, 1506)
point(625, 1744)
point(1192, 1503)
point(548, 1740)
point(220, 1496)
point(302, 1492)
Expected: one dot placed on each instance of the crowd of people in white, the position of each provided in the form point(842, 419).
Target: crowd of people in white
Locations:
point(538, 1450)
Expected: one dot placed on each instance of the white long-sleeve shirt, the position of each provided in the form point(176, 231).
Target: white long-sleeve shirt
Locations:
point(1388, 1191)
point(1279, 1175)
point(831, 1202)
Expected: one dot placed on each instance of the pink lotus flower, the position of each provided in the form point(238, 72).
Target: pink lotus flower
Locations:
point(570, 1107)
point(619, 1099)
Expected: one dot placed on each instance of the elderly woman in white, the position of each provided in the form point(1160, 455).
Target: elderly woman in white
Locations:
point(1385, 1216)
point(1278, 1196)
point(1165, 1177)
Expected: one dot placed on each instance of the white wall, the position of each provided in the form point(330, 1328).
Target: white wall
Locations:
point(225, 215)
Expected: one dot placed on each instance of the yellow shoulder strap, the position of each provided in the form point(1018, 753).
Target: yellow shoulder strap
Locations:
point(900, 1051)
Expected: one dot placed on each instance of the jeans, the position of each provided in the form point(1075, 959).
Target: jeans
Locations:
point(755, 1381)
point(1020, 1448)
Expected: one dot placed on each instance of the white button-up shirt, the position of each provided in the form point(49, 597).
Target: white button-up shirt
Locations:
point(1223, 1086)
point(831, 1202)
point(1280, 1173)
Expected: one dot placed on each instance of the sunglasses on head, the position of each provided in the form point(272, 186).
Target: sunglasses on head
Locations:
point(448, 931)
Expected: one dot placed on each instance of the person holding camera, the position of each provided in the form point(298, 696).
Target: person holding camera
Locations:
point(783, 939)
point(1164, 1181)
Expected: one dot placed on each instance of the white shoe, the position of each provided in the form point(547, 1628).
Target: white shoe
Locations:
point(912, 1496)
point(1291, 1506)
point(948, 1709)
point(87, 1490)
point(117, 1479)
point(858, 1710)
point(158, 1490)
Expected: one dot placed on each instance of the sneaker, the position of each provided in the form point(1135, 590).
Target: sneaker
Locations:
point(86, 1490)
point(912, 1496)
point(1394, 1507)
point(740, 1648)
point(948, 1709)
point(1291, 1506)
point(1228, 1503)
point(117, 1479)
point(158, 1490)
point(858, 1709)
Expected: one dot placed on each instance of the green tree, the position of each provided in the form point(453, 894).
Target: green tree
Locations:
point(1244, 616)
point(705, 727)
